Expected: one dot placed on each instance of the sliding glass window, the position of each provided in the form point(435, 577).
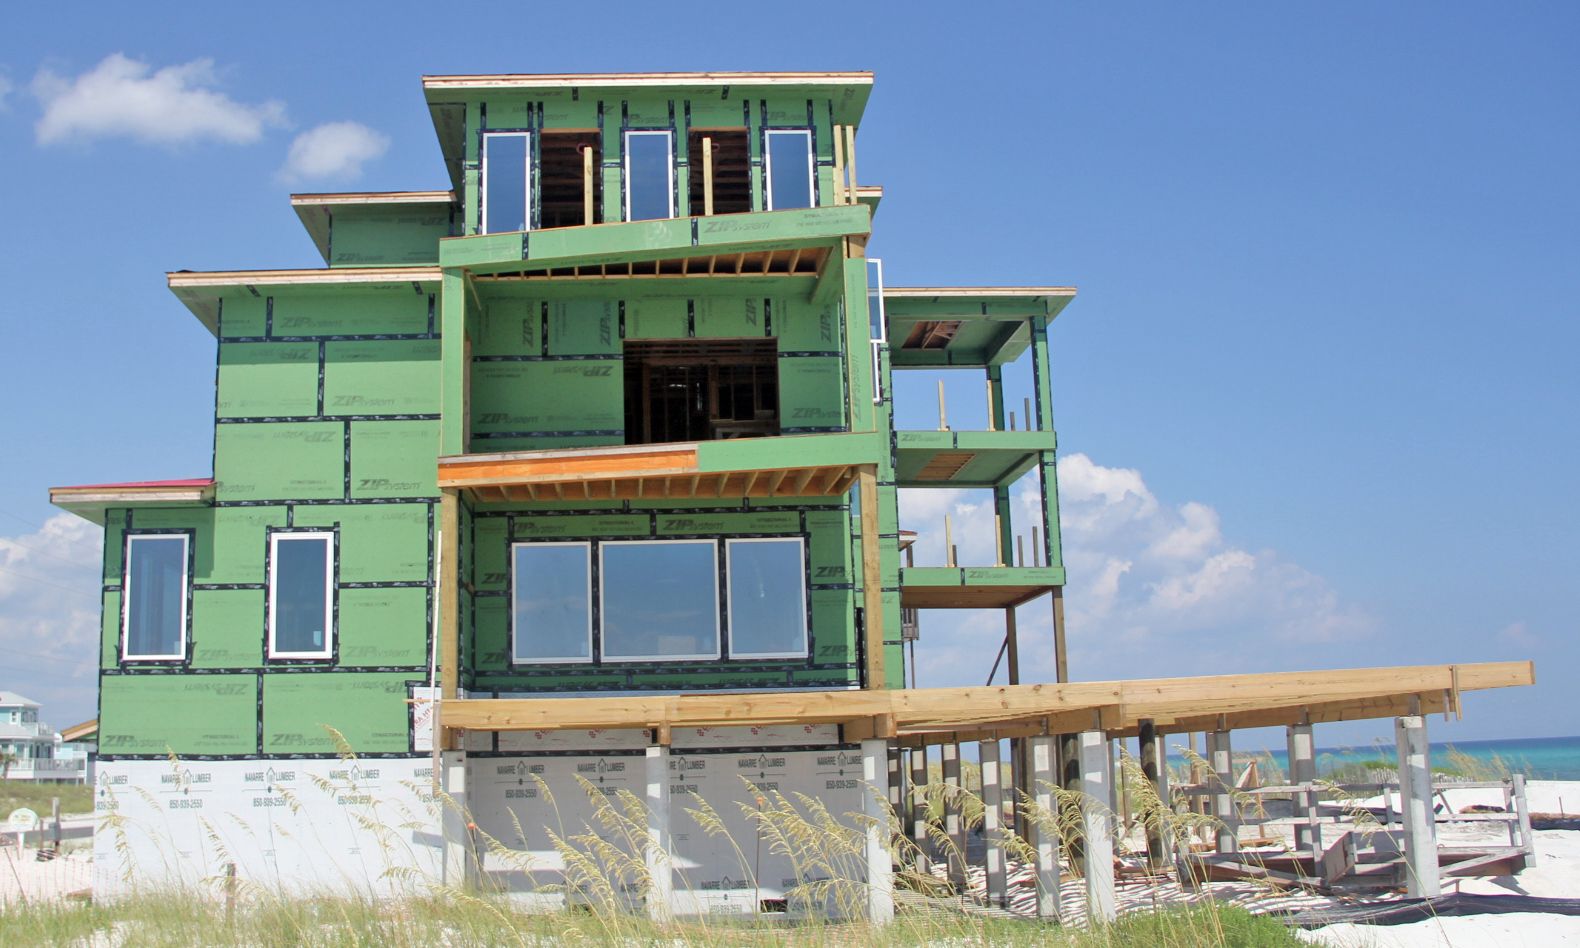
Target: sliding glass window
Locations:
point(789, 169)
point(155, 614)
point(659, 600)
point(301, 595)
point(767, 598)
point(551, 602)
point(507, 182)
point(649, 175)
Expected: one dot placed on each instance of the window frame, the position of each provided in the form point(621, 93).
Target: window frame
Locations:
point(768, 166)
point(625, 171)
point(272, 653)
point(729, 592)
point(603, 656)
point(180, 654)
point(527, 167)
point(592, 655)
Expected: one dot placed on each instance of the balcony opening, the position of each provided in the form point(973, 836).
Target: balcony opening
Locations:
point(731, 171)
point(700, 389)
point(570, 175)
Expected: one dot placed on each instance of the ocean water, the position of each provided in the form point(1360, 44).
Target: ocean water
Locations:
point(1539, 758)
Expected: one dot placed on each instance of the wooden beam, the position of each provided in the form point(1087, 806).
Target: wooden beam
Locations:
point(449, 606)
point(871, 578)
point(707, 180)
point(587, 185)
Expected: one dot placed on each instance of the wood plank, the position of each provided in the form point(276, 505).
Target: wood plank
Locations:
point(871, 580)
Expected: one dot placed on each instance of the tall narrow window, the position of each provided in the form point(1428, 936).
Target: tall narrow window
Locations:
point(551, 606)
point(301, 609)
point(789, 169)
point(649, 176)
point(767, 598)
point(660, 600)
point(156, 597)
point(507, 182)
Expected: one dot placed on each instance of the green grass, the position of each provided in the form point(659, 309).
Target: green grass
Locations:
point(74, 797)
point(460, 920)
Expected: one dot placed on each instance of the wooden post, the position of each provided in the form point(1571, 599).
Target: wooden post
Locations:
point(871, 578)
point(954, 827)
point(656, 855)
point(707, 176)
point(1036, 546)
point(1020, 551)
point(1302, 771)
point(1522, 813)
point(992, 823)
point(998, 540)
point(919, 782)
point(949, 542)
point(943, 418)
point(880, 871)
point(1150, 746)
point(839, 167)
point(1060, 656)
point(850, 159)
point(896, 781)
point(1012, 421)
point(54, 824)
point(1222, 801)
point(460, 855)
point(992, 403)
point(1098, 859)
point(449, 610)
point(1160, 786)
point(1070, 779)
point(1026, 407)
point(1415, 808)
point(1043, 838)
point(587, 185)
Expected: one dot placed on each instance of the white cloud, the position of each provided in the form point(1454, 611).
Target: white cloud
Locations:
point(123, 97)
point(1153, 589)
point(1519, 634)
point(333, 150)
point(49, 615)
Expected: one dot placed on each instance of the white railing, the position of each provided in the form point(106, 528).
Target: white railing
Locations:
point(46, 768)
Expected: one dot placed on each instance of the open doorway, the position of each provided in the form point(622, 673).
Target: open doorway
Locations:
point(571, 179)
point(700, 389)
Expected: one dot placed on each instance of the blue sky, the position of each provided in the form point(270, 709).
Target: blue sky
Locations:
point(1316, 398)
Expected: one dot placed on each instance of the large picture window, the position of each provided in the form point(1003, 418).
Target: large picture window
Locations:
point(156, 597)
point(507, 182)
point(767, 598)
point(301, 604)
point(659, 600)
point(649, 175)
point(789, 169)
point(551, 602)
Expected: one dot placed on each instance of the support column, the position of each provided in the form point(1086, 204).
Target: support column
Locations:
point(1150, 768)
point(954, 827)
point(449, 613)
point(919, 783)
point(660, 870)
point(460, 851)
point(1164, 791)
point(1043, 839)
point(880, 870)
point(1098, 859)
point(1070, 760)
point(993, 824)
point(1222, 761)
point(1061, 661)
point(896, 782)
point(871, 579)
point(1302, 770)
point(1415, 808)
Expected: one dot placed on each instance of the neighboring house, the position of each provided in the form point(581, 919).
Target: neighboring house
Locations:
point(30, 749)
point(611, 416)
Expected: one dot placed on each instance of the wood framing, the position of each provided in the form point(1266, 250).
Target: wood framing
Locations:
point(1173, 704)
point(871, 585)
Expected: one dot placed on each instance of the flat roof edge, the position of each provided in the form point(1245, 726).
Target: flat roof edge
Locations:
point(373, 197)
point(977, 291)
point(630, 79)
point(326, 276)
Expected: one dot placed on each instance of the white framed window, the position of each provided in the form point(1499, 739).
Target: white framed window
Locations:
point(658, 600)
point(154, 616)
point(301, 595)
point(551, 603)
point(787, 169)
point(877, 324)
point(649, 175)
point(507, 182)
point(767, 597)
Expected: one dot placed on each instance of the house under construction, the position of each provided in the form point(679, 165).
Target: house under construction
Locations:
point(584, 473)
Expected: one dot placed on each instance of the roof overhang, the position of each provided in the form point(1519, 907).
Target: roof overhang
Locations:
point(201, 292)
point(816, 465)
point(784, 243)
point(90, 501)
point(86, 731)
point(968, 326)
point(318, 210)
